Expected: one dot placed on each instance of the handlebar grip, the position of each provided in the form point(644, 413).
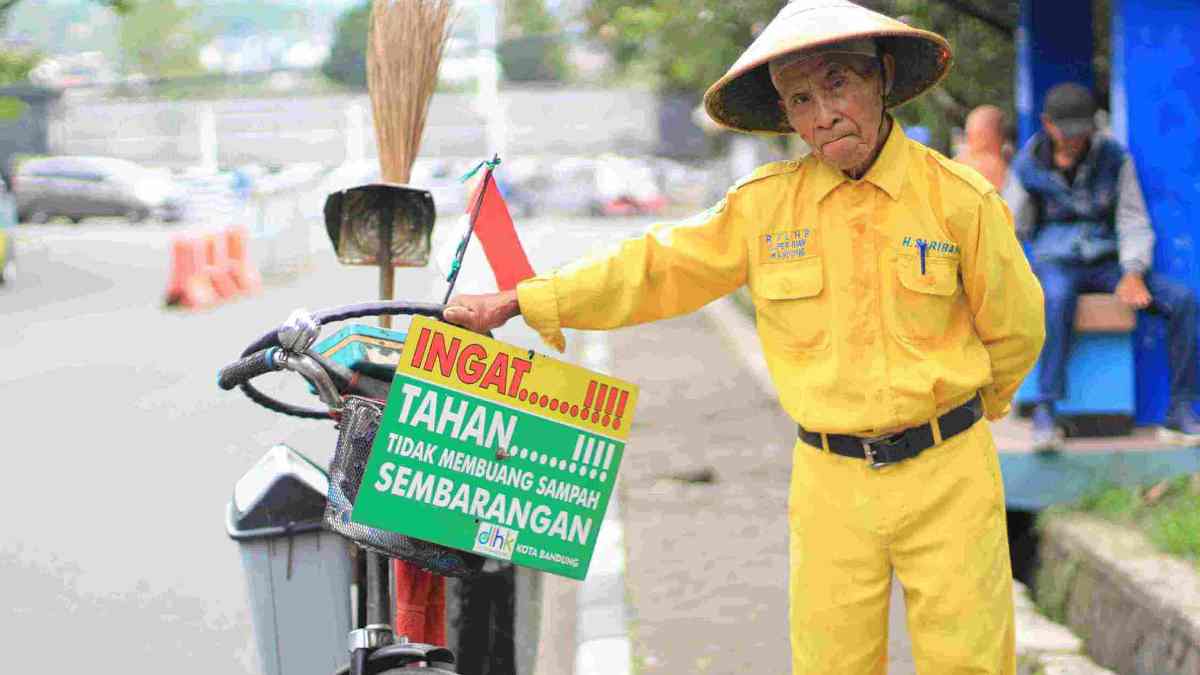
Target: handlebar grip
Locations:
point(243, 370)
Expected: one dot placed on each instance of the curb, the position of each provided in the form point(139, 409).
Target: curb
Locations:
point(1139, 607)
point(603, 646)
point(1044, 646)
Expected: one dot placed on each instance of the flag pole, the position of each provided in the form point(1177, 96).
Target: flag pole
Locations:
point(456, 266)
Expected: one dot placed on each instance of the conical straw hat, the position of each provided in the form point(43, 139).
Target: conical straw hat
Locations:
point(744, 99)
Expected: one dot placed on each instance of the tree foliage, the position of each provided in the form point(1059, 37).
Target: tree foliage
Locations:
point(15, 65)
point(159, 39)
point(682, 45)
point(533, 48)
point(347, 62)
point(119, 6)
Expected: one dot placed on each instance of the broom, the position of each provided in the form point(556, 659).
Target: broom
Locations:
point(404, 49)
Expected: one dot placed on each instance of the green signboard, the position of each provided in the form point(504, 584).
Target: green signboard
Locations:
point(489, 448)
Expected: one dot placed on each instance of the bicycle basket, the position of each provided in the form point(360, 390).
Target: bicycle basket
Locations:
point(359, 423)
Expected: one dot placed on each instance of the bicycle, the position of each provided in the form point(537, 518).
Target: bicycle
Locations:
point(352, 385)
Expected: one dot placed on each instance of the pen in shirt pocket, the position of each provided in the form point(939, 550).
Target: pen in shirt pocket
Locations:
point(922, 247)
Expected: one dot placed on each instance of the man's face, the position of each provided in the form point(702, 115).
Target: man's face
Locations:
point(835, 102)
point(1069, 146)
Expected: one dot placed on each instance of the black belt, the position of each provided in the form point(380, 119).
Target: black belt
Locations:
point(902, 445)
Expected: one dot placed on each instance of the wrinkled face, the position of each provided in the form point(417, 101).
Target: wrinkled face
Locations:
point(835, 102)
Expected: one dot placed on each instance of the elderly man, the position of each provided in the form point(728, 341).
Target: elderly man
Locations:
point(1074, 194)
point(895, 308)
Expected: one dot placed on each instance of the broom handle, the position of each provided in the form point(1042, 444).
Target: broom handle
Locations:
point(387, 274)
point(462, 250)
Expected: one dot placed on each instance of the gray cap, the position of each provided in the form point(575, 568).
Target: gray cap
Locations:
point(1072, 108)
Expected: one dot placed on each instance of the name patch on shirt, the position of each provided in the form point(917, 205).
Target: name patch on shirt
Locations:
point(785, 245)
point(930, 245)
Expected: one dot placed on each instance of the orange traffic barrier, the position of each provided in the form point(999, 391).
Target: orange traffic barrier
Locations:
point(217, 265)
point(189, 285)
point(244, 273)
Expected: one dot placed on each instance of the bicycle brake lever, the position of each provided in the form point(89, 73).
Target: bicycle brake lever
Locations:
point(312, 371)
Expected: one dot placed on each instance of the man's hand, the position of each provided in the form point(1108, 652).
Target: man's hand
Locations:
point(1133, 292)
point(482, 313)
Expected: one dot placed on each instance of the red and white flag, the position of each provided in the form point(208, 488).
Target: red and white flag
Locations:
point(495, 231)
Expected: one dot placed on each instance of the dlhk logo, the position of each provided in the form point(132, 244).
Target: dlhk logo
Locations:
point(495, 541)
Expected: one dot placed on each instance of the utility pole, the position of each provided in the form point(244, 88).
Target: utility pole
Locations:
point(487, 72)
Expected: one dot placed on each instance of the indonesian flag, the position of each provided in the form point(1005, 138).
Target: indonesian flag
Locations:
point(495, 231)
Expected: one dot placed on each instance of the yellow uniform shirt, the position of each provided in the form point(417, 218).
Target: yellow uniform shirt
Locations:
point(861, 336)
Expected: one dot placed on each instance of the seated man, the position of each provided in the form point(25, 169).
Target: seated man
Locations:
point(1075, 196)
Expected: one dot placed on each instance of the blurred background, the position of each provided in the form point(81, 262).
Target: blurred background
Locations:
point(213, 103)
point(125, 124)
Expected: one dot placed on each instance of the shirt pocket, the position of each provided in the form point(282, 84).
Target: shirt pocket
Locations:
point(923, 303)
point(792, 304)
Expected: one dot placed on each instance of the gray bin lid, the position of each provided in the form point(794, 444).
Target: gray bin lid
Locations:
point(283, 494)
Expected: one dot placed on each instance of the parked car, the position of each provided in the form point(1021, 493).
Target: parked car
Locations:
point(8, 218)
point(81, 187)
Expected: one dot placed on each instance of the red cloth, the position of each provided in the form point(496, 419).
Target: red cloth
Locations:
point(494, 228)
point(420, 604)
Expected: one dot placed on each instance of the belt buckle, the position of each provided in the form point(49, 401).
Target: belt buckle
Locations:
point(869, 451)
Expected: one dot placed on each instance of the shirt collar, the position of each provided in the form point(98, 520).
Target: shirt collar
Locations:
point(887, 173)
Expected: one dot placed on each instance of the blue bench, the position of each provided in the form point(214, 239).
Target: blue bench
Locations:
point(1100, 386)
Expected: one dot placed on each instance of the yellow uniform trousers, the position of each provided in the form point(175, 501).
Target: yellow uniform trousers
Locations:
point(938, 521)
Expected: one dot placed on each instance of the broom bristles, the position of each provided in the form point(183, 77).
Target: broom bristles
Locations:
point(404, 49)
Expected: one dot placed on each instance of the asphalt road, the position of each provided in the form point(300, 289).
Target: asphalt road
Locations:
point(121, 453)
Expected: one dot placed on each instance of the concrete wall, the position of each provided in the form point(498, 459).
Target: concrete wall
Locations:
point(1137, 610)
point(329, 129)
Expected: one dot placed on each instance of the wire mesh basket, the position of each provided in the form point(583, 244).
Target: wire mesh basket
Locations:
point(359, 424)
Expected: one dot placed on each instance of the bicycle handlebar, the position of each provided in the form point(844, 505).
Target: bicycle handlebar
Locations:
point(243, 370)
point(266, 354)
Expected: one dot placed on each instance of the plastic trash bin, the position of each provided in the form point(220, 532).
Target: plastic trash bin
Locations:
point(298, 575)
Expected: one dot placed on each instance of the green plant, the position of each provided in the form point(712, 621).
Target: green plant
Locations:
point(1112, 502)
point(1053, 586)
point(15, 65)
point(1168, 512)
